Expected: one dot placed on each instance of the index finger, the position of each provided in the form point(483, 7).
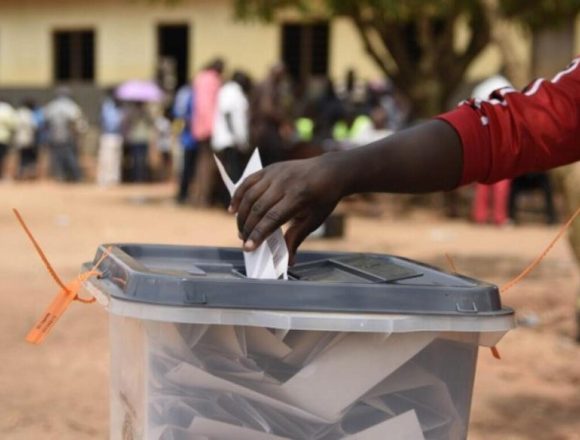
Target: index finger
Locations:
point(250, 181)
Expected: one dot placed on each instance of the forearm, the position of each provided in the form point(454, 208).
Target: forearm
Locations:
point(424, 158)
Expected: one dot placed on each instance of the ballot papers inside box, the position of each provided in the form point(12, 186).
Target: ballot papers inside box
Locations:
point(349, 347)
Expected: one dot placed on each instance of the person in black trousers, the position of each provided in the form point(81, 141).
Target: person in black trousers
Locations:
point(530, 182)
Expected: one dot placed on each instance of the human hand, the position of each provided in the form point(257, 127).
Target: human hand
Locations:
point(302, 192)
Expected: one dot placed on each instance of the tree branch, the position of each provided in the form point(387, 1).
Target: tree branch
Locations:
point(480, 37)
point(392, 34)
point(371, 50)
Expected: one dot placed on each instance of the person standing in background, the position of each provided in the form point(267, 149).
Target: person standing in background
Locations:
point(206, 87)
point(498, 191)
point(164, 142)
point(230, 129)
point(25, 140)
point(7, 126)
point(137, 129)
point(183, 114)
point(110, 142)
point(64, 119)
point(271, 125)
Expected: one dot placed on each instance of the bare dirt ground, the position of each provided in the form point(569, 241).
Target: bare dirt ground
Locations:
point(59, 390)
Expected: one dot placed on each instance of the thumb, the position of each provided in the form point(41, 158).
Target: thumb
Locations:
point(298, 232)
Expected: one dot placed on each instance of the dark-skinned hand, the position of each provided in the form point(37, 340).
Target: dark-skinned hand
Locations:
point(301, 192)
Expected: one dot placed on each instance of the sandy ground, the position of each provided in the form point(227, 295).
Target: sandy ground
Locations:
point(59, 390)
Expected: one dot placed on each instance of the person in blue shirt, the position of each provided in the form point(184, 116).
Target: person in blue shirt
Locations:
point(183, 112)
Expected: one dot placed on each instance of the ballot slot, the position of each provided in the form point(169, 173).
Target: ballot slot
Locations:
point(353, 269)
point(382, 268)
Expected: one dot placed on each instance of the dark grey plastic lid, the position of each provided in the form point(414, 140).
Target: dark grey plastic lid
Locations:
point(319, 281)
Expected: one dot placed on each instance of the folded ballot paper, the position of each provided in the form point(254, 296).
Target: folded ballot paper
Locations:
point(226, 382)
point(270, 260)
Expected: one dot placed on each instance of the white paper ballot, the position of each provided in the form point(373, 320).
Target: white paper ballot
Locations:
point(347, 370)
point(270, 260)
point(187, 377)
point(403, 427)
point(262, 341)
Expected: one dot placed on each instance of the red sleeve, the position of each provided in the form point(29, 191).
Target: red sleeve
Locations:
point(513, 133)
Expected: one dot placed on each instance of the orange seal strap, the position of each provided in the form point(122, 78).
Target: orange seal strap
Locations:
point(67, 294)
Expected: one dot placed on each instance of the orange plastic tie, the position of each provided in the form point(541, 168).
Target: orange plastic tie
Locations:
point(534, 264)
point(68, 292)
point(39, 250)
point(451, 263)
point(540, 257)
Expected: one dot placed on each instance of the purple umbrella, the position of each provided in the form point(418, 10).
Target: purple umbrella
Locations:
point(138, 90)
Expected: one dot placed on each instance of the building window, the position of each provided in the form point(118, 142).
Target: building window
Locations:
point(305, 49)
point(74, 55)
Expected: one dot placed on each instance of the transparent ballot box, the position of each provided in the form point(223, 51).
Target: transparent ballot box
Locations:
point(351, 346)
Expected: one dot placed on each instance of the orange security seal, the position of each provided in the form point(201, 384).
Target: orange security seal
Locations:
point(67, 294)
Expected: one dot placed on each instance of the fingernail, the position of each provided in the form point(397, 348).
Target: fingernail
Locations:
point(249, 245)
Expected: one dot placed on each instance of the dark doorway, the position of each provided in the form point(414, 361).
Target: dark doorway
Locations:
point(305, 49)
point(74, 56)
point(173, 53)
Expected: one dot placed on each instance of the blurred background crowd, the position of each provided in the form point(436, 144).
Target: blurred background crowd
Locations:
point(149, 133)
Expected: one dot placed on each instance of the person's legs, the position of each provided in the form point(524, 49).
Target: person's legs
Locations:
point(187, 173)
point(204, 174)
point(480, 203)
point(139, 162)
point(22, 164)
point(271, 146)
point(231, 159)
point(70, 162)
point(3, 152)
point(109, 159)
point(233, 162)
point(515, 189)
point(546, 186)
point(501, 191)
point(57, 154)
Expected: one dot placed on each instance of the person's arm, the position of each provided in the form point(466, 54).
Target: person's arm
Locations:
point(422, 159)
point(487, 141)
point(513, 132)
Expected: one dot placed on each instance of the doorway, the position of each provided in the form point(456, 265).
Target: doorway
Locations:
point(173, 55)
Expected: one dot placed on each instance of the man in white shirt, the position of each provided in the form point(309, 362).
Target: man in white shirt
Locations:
point(230, 127)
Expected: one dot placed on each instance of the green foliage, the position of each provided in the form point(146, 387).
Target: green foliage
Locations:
point(537, 14)
point(540, 14)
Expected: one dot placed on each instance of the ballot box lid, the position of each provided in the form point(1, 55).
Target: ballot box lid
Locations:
point(213, 277)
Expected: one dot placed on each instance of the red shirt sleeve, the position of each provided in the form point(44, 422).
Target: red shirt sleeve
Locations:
point(514, 133)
